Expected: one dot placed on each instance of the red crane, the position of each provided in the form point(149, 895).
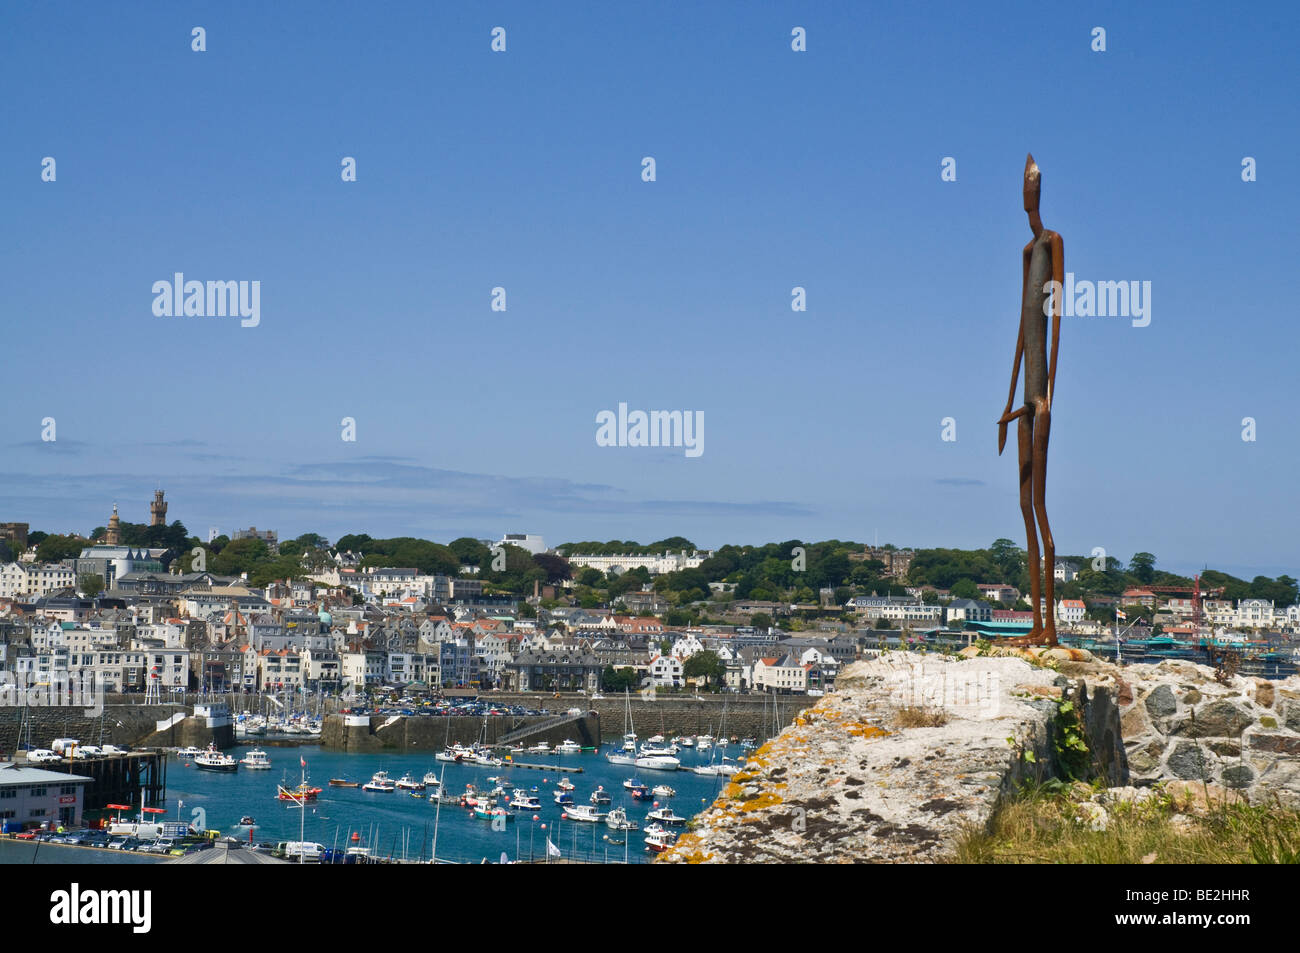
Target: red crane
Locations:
point(1195, 590)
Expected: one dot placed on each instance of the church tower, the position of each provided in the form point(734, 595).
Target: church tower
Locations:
point(158, 510)
point(114, 535)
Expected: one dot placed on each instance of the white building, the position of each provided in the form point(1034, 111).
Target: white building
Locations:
point(534, 544)
point(786, 675)
point(1255, 613)
point(665, 671)
point(655, 564)
point(1070, 610)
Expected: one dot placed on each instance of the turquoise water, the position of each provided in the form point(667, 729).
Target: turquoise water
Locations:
point(399, 825)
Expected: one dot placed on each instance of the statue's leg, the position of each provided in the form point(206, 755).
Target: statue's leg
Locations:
point(1025, 436)
point(1042, 430)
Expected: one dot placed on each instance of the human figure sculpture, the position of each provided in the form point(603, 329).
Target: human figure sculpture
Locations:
point(1044, 263)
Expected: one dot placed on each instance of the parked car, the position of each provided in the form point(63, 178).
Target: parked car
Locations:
point(40, 755)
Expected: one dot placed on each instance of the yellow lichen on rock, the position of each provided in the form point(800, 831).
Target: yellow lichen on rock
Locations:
point(765, 800)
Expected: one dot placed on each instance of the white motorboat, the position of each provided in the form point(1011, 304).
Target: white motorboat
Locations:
point(380, 784)
point(568, 747)
point(665, 815)
point(663, 790)
point(617, 820)
point(523, 801)
point(214, 760)
point(408, 783)
point(600, 797)
point(256, 760)
point(658, 839)
point(564, 784)
point(658, 762)
point(540, 748)
point(583, 812)
point(189, 753)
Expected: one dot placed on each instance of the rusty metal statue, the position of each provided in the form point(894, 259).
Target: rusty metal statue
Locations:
point(1044, 262)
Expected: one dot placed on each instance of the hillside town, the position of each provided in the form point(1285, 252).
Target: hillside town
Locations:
point(521, 617)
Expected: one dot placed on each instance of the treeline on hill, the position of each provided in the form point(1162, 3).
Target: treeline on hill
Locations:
point(791, 571)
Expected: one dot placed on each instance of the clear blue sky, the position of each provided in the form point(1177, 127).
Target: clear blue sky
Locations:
point(775, 169)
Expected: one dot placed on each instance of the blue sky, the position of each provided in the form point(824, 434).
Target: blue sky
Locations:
point(522, 169)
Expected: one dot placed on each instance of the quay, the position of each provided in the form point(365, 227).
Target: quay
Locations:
point(119, 778)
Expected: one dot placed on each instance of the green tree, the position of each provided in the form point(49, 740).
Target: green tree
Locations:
point(591, 577)
point(964, 589)
point(618, 679)
point(707, 665)
point(1008, 557)
point(1143, 566)
point(53, 548)
point(760, 620)
point(470, 551)
point(90, 584)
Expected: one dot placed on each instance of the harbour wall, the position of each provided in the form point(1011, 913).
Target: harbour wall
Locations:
point(740, 716)
point(127, 726)
point(429, 733)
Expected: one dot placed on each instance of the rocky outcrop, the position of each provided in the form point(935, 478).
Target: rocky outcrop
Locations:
point(906, 753)
point(912, 749)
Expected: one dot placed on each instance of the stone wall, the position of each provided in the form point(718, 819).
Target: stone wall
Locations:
point(123, 725)
point(422, 733)
point(745, 716)
point(1180, 722)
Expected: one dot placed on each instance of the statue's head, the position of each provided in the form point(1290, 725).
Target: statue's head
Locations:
point(1032, 184)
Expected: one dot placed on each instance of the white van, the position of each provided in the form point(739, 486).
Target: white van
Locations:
point(142, 831)
point(292, 849)
point(41, 755)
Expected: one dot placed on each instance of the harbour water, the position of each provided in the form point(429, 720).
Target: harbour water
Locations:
point(401, 826)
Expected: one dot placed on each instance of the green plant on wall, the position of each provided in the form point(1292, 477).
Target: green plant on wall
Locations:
point(1071, 747)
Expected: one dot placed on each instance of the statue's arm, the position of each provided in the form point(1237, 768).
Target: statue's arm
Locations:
point(1008, 415)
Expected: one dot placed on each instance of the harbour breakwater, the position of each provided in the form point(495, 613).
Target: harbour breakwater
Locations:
point(370, 733)
point(128, 726)
point(126, 722)
point(668, 714)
